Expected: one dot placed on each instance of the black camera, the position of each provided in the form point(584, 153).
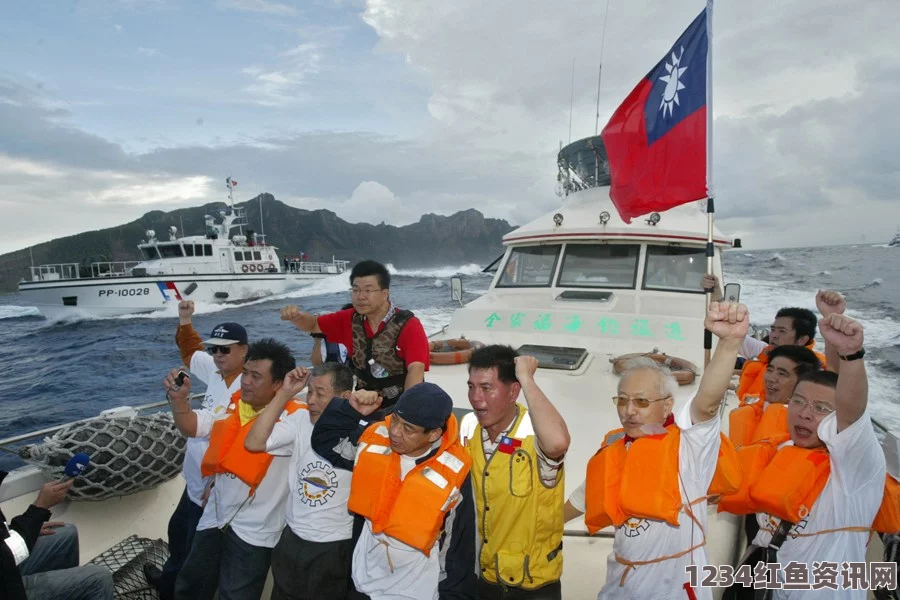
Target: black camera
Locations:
point(179, 379)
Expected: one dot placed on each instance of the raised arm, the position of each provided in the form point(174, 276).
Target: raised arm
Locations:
point(728, 322)
point(830, 302)
point(186, 337)
point(264, 423)
point(852, 393)
point(303, 321)
point(549, 427)
point(336, 434)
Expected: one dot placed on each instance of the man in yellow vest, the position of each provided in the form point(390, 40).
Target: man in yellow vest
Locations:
point(517, 476)
point(244, 513)
point(651, 478)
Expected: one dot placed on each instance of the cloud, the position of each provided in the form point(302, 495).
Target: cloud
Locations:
point(147, 51)
point(258, 6)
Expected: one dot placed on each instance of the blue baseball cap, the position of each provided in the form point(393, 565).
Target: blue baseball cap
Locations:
point(424, 404)
point(226, 334)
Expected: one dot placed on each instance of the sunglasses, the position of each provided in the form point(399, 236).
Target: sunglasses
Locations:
point(622, 401)
point(221, 349)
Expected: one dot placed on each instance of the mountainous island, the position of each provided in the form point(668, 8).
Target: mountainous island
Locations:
point(462, 238)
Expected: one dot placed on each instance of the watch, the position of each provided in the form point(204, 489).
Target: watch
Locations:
point(855, 356)
point(318, 336)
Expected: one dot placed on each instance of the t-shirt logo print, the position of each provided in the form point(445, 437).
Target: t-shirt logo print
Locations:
point(317, 483)
point(634, 527)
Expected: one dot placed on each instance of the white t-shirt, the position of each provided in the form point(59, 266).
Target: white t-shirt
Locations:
point(850, 498)
point(318, 493)
point(414, 576)
point(215, 402)
point(643, 539)
point(257, 520)
point(752, 347)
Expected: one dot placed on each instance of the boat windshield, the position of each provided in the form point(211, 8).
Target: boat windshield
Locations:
point(599, 265)
point(675, 269)
point(530, 266)
point(149, 252)
point(170, 250)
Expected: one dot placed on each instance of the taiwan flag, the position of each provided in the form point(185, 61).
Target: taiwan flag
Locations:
point(656, 140)
point(508, 445)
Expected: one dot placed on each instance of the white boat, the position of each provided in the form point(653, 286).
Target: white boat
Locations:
point(895, 241)
point(575, 287)
point(212, 268)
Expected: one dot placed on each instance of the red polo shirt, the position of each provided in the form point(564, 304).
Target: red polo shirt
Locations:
point(412, 345)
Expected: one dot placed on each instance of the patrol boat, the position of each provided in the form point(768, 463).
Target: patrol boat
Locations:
point(209, 268)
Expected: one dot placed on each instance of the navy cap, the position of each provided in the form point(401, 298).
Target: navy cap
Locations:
point(226, 334)
point(424, 404)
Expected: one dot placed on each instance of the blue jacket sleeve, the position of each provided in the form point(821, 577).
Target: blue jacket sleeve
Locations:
point(457, 545)
point(336, 433)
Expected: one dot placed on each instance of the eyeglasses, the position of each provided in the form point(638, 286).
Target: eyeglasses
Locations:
point(221, 349)
point(359, 292)
point(623, 401)
point(819, 408)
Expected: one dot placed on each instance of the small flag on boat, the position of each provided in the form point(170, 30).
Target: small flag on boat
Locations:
point(508, 445)
point(231, 182)
point(656, 139)
point(168, 290)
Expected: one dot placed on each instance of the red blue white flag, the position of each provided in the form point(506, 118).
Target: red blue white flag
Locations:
point(656, 140)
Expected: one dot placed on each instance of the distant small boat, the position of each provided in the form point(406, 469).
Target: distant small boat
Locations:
point(896, 241)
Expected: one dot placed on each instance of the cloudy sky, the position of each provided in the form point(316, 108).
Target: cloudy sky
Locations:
point(382, 110)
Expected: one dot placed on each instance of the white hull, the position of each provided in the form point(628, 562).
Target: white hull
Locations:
point(130, 295)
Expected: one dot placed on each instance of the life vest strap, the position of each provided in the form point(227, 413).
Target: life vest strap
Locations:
point(835, 530)
point(630, 564)
point(387, 551)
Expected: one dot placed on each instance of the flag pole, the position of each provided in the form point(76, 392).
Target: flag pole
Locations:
point(710, 193)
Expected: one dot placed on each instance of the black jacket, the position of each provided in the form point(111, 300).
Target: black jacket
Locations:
point(335, 438)
point(28, 525)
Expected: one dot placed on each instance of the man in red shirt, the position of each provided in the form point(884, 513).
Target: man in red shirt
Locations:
point(388, 349)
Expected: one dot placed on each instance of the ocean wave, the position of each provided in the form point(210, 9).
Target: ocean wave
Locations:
point(12, 311)
point(441, 272)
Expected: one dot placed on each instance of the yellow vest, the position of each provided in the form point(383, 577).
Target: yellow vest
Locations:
point(520, 520)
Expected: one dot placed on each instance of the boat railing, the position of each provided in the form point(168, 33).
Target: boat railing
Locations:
point(113, 269)
point(8, 444)
point(331, 268)
point(55, 272)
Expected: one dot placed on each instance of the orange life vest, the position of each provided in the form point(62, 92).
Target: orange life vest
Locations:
point(642, 480)
point(753, 422)
point(226, 452)
point(412, 510)
point(751, 382)
point(787, 482)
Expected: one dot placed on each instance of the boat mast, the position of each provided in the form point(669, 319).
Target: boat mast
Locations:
point(600, 70)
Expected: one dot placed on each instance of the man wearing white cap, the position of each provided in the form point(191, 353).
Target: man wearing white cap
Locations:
point(217, 362)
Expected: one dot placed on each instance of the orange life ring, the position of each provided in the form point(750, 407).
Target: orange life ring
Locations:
point(245, 268)
point(684, 370)
point(452, 352)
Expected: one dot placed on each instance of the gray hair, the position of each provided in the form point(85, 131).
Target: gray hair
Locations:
point(668, 385)
point(341, 376)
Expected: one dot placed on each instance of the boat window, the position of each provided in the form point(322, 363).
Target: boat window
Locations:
point(530, 266)
point(207, 250)
point(257, 255)
point(170, 250)
point(248, 255)
point(674, 268)
point(599, 265)
point(188, 250)
point(198, 249)
point(239, 256)
point(149, 253)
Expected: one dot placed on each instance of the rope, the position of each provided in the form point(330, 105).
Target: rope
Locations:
point(128, 455)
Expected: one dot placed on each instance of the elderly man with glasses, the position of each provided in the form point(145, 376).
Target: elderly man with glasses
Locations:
point(388, 348)
point(218, 363)
point(651, 478)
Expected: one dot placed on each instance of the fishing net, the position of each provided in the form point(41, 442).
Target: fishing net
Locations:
point(126, 562)
point(128, 454)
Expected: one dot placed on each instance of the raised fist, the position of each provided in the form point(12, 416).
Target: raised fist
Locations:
point(296, 380)
point(830, 302)
point(727, 321)
point(186, 310)
point(526, 366)
point(842, 333)
point(365, 402)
